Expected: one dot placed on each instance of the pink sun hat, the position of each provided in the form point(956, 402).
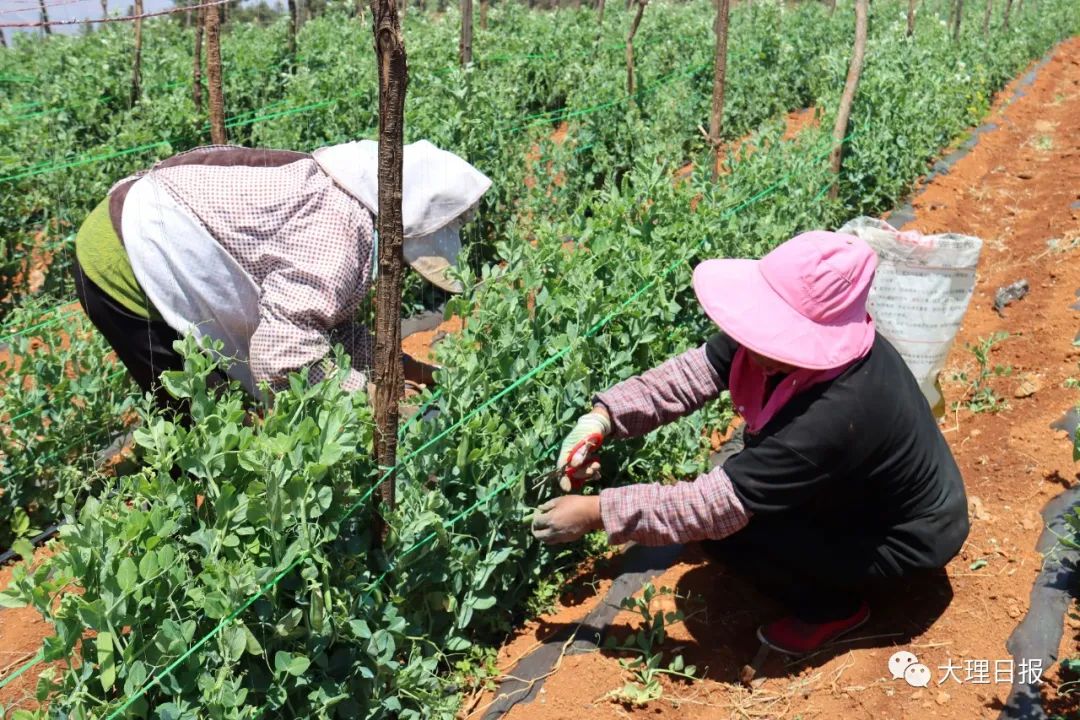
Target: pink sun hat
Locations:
point(803, 304)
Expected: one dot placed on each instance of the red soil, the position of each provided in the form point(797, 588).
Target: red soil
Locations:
point(421, 345)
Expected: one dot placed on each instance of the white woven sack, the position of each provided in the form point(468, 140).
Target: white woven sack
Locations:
point(921, 291)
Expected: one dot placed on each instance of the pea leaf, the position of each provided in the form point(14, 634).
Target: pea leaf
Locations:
point(106, 663)
point(127, 574)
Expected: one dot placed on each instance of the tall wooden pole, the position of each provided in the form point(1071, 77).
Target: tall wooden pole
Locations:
point(196, 67)
point(292, 30)
point(716, 118)
point(599, 12)
point(465, 43)
point(46, 29)
point(911, 17)
point(136, 64)
point(213, 75)
point(104, 13)
point(483, 14)
point(3, 39)
point(389, 374)
point(986, 16)
point(957, 17)
point(1008, 9)
point(630, 46)
point(843, 113)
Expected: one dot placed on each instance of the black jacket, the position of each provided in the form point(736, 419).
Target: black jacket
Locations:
point(859, 459)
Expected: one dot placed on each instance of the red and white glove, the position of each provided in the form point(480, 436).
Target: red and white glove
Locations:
point(577, 458)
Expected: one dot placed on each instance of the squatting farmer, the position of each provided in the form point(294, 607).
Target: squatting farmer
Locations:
point(268, 251)
point(845, 480)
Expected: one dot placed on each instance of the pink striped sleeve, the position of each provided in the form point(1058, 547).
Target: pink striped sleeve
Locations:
point(655, 514)
point(677, 387)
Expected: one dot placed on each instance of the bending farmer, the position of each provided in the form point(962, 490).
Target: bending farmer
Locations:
point(268, 251)
point(844, 480)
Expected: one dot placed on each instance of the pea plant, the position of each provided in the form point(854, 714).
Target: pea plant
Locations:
point(979, 395)
point(59, 396)
point(647, 664)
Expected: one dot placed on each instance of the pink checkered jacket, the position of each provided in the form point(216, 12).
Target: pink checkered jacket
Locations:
point(656, 514)
point(306, 242)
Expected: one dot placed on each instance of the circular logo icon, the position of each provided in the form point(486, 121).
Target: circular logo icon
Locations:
point(899, 662)
point(917, 675)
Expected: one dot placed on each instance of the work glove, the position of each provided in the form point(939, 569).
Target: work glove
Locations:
point(566, 519)
point(576, 456)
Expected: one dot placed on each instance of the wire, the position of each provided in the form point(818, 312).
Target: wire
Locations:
point(122, 18)
point(36, 8)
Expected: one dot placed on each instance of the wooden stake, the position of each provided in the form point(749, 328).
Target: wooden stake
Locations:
point(465, 42)
point(986, 16)
point(46, 28)
point(196, 69)
point(843, 113)
point(599, 12)
point(911, 17)
point(389, 374)
point(716, 118)
point(957, 17)
point(136, 65)
point(292, 30)
point(213, 76)
point(1008, 9)
point(3, 39)
point(483, 14)
point(630, 46)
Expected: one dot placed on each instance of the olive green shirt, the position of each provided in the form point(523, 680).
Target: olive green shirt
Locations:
point(104, 260)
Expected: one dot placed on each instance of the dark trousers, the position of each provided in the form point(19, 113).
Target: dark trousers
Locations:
point(817, 575)
point(145, 347)
point(816, 579)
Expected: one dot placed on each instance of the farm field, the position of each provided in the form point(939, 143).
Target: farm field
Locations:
point(232, 567)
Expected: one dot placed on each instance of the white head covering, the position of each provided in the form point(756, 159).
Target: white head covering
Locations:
point(438, 189)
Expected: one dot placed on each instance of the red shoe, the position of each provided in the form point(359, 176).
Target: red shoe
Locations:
point(796, 637)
